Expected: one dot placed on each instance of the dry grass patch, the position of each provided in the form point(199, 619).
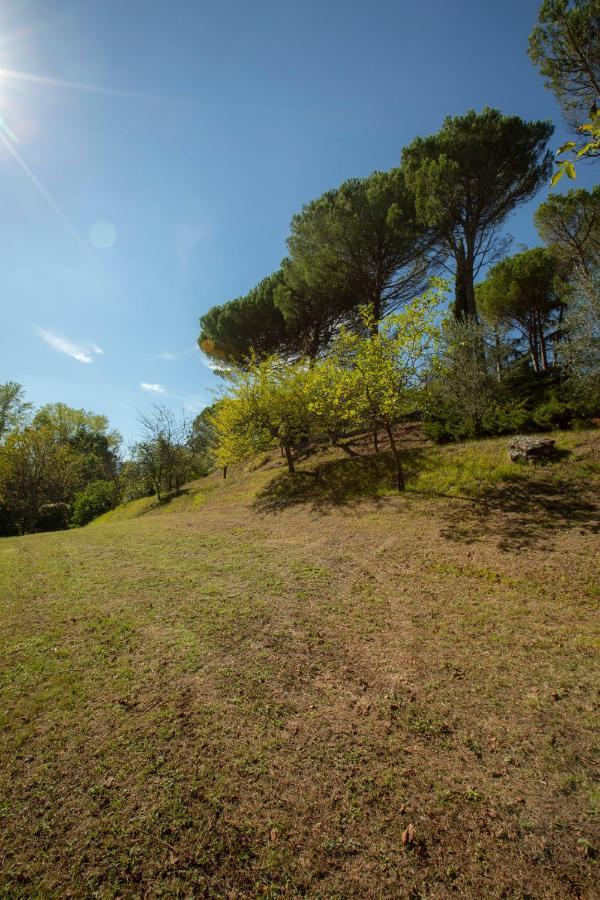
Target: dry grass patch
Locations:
point(256, 695)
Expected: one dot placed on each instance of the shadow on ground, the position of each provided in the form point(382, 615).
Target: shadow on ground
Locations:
point(521, 514)
point(336, 482)
point(518, 513)
point(167, 498)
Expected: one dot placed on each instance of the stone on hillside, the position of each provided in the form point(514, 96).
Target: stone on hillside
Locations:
point(530, 448)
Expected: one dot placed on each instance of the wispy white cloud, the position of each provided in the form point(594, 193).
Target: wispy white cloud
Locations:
point(83, 353)
point(169, 355)
point(152, 388)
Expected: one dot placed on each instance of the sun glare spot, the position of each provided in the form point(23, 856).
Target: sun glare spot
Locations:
point(103, 235)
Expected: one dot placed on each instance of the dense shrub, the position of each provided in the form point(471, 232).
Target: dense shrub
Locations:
point(8, 522)
point(53, 517)
point(97, 498)
point(526, 401)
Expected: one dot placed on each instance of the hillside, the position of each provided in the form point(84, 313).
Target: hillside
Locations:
point(255, 689)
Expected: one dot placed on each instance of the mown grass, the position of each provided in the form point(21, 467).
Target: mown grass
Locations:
point(251, 692)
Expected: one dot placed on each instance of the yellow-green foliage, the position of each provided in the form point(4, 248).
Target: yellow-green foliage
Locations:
point(332, 397)
point(267, 404)
point(238, 438)
point(364, 379)
point(386, 366)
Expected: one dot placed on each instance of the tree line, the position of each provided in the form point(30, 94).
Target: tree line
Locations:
point(62, 467)
point(315, 347)
point(352, 331)
point(377, 240)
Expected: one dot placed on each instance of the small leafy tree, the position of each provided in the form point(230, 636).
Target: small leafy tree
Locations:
point(202, 441)
point(268, 404)
point(333, 401)
point(388, 366)
point(462, 384)
point(582, 344)
point(238, 436)
point(163, 458)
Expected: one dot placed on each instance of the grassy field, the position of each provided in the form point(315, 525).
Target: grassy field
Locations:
point(281, 688)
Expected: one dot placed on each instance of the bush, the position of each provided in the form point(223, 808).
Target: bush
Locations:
point(527, 401)
point(53, 516)
point(8, 522)
point(97, 498)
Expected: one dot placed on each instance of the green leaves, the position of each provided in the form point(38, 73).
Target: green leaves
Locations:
point(589, 149)
point(364, 378)
point(565, 168)
point(570, 223)
point(468, 177)
point(568, 146)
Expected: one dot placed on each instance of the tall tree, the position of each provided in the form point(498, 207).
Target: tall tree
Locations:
point(252, 323)
point(565, 45)
point(13, 407)
point(570, 224)
point(525, 291)
point(467, 178)
point(312, 306)
point(362, 243)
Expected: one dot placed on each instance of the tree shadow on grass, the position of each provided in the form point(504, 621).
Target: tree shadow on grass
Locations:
point(337, 482)
point(522, 513)
point(165, 499)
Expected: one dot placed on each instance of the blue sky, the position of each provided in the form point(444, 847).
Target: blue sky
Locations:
point(163, 147)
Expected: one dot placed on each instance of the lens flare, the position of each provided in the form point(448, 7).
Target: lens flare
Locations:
point(14, 75)
point(7, 132)
point(103, 235)
point(42, 190)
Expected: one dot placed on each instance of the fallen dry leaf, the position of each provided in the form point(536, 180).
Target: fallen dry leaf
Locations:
point(408, 836)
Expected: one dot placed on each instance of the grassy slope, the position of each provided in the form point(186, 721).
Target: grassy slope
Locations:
point(253, 690)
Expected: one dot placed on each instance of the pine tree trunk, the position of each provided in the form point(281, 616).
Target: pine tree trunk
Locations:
point(542, 343)
point(498, 366)
point(464, 287)
point(469, 289)
point(531, 336)
point(224, 472)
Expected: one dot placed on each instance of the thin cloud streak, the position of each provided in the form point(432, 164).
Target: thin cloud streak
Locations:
point(82, 353)
point(152, 388)
point(170, 356)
